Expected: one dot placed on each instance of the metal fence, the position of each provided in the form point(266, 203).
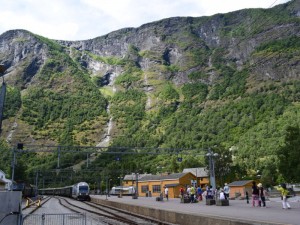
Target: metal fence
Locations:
point(54, 219)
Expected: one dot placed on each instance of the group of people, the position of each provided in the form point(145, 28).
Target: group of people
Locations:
point(192, 193)
point(198, 194)
point(258, 195)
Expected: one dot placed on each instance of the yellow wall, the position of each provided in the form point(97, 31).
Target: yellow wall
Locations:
point(241, 189)
point(173, 191)
point(203, 182)
point(128, 183)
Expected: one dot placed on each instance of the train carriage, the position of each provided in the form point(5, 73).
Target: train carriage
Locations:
point(124, 190)
point(79, 191)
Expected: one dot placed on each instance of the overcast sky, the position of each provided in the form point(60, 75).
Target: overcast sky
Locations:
point(86, 19)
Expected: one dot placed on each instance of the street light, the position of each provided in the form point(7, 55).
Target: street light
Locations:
point(109, 187)
point(136, 194)
point(161, 188)
point(211, 155)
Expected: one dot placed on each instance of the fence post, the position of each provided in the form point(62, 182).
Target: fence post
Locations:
point(43, 219)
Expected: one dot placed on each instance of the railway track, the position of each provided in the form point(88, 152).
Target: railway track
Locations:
point(108, 215)
point(30, 210)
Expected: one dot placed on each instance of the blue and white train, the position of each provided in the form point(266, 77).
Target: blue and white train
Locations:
point(79, 191)
point(124, 190)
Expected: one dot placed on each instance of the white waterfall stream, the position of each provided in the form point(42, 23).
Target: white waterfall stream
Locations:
point(107, 137)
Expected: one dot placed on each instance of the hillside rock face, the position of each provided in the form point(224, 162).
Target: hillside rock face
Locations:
point(177, 50)
point(23, 55)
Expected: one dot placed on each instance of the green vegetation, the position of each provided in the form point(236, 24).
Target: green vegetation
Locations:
point(289, 155)
point(107, 60)
point(186, 94)
point(12, 102)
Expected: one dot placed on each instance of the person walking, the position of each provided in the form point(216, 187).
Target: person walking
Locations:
point(284, 194)
point(255, 194)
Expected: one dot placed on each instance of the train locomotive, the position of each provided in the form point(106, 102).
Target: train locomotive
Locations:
point(79, 191)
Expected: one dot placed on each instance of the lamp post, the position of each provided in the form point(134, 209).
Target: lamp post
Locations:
point(161, 188)
point(109, 187)
point(121, 190)
point(211, 156)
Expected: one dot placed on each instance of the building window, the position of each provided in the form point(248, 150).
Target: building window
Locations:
point(145, 188)
point(156, 189)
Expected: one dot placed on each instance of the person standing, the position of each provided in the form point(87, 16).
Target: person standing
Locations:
point(284, 193)
point(167, 193)
point(226, 191)
point(182, 193)
point(192, 192)
point(188, 191)
point(255, 194)
point(247, 197)
point(199, 193)
point(261, 195)
point(209, 193)
point(222, 195)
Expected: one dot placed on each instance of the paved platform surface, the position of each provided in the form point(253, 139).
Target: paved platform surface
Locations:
point(237, 209)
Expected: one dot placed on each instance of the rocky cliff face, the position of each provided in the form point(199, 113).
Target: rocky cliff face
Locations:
point(23, 55)
point(177, 50)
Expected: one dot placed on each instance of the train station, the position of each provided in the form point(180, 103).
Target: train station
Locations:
point(238, 212)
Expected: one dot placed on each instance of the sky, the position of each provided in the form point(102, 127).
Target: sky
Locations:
point(86, 19)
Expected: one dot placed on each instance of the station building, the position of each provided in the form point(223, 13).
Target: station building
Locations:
point(239, 188)
point(154, 185)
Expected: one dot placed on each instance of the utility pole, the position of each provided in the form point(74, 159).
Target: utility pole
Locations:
point(211, 156)
point(2, 95)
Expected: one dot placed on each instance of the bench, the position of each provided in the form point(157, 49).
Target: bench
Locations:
point(222, 202)
point(210, 201)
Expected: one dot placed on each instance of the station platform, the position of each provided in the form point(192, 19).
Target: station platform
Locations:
point(237, 213)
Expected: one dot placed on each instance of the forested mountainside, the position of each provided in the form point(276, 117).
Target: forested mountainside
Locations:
point(230, 81)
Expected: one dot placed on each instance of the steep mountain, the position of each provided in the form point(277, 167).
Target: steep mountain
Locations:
point(230, 80)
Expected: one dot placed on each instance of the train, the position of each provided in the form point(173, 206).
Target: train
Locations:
point(79, 191)
point(28, 190)
point(125, 190)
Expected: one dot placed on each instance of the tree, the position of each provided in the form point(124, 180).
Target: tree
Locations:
point(223, 164)
point(289, 155)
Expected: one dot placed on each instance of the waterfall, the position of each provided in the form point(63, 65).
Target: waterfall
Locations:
point(107, 137)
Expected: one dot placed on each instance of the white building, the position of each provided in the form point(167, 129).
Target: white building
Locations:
point(5, 184)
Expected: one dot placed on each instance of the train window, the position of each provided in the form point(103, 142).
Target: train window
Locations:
point(83, 188)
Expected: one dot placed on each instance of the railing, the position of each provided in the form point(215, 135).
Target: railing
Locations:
point(54, 219)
